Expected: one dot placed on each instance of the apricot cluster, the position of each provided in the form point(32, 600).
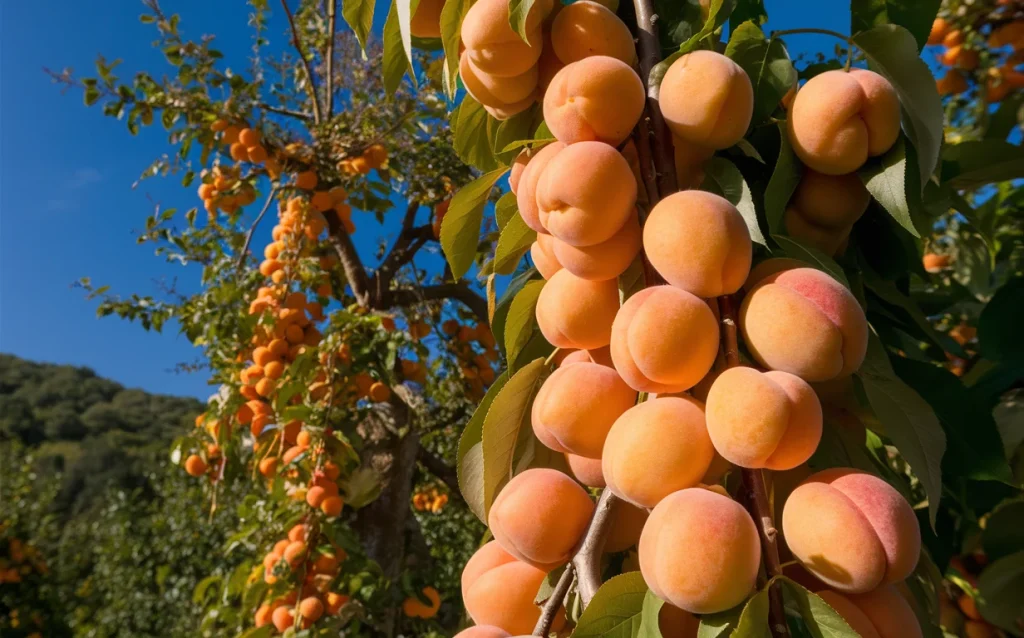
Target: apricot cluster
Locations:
point(373, 157)
point(429, 500)
point(476, 365)
point(990, 61)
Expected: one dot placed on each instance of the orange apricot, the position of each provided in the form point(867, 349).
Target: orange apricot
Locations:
point(512, 94)
point(606, 260)
point(492, 44)
point(311, 608)
point(598, 98)
point(332, 506)
point(577, 313)
point(483, 631)
point(195, 465)
point(586, 471)
point(940, 27)
point(542, 253)
point(707, 99)
point(426, 22)
point(526, 193)
point(625, 527)
point(284, 618)
point(882, 612)
point(583, 29)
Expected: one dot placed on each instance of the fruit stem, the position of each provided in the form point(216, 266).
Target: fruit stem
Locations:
point(753, 482)
point(658, 135)
point(552, 605)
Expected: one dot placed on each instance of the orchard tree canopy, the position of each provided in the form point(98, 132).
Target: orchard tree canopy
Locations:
point(598, 318)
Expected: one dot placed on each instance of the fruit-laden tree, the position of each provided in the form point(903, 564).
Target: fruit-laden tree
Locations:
point(715, 332)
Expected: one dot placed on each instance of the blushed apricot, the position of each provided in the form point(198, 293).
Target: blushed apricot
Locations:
point(577, 405)
point(804, 322)
point(426, 22)
point(499, 590)
point(699, 242)
point(492, 44)
point(540, 516)
point(583, 29)
point(499, 92)
point(518, 166)
point(596, 99)
point(700, 551)
point(881, 613)
point(586, 193)
point(483, 631)
point(840, 118)
point(586, 471)
point(655, 448)
point(851, 530)
point(595, 355)
point(763, 420)
point(283, 617)
point(576, 313)
point(606, 260)
point(543, 254)
point(526, 194)
point(707, 99)
point(311, 608)
point(625, 527)
point(664, 340)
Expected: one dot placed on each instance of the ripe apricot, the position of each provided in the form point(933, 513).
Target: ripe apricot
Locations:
point(483, 631)
point(625, 527)
point(952, 83)
point(824, 208)
point(663, 340)
point(518, 166)
point(586, 471)
point(492, 44)
point(934, 263)
point(577, 405)
point(306, 180)
point(526, 194)
point(264, 615)
point(499, 590)
point(804, 322)
point(284, 617)
point(379, 392)
point(295, 553)
point(333, 603)
point(311, 608)
point(195, 465)
point(249, 137)
point(542, 253)
point(840, 118)
point(412, 607)
point(763, 420)
point(298, 533)
point(851, 530)
point(606, 260)
point(940, 27)
point(699, 242)
point(332, 506)
point(707, 99)
point(586, 193)
point(700, 551)
point(583, 29)
point(655, 448)
point(426, 22)
point(882, 612)
point(598, 98)
point(577, 313)
point(315, 496)
point(513, 94)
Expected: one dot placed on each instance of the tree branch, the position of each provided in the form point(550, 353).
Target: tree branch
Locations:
point(552, 605)
point(332, 8)
point(355, 273)
point(458, 291)
point(252, 229)
point(393, 261)
point(753, 482)
point(305, 63)
point(299, 115)
point(587, 560)
point(436, 466)
point(661, 139)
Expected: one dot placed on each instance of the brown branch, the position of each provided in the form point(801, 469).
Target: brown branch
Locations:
point(458, 291)
point(299, 115)
point(305, 63)
point(390, 264)
point(436, 466)
point(252, 229)
point(661, 138)
point(554, 603)
point(588, 557)
point(753, 483)
point(332, 8)
point(355, 273)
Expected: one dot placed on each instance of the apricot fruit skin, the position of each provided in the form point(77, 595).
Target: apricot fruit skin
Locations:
point(508, 93)
point(839, 119)
point(664, 340)
point(598, 98)
point(655, 448)
point(700, 551)
point(769, 420)
point(426, 22)
point(606, 260)
point(577, 313)
point(543, 254)
point(707, 99)
point(804, 322)
point(887, 614)
point(625, 528)
point(577, 405)
point(483, 631)
point(824, 208)
point(586, 193)
point(526, 191)
point(587, 471)
point(540, 516)
point(699, 242)
point(492, 44)
point(851, 530)
point(584, 29)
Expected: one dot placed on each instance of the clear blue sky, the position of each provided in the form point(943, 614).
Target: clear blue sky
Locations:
point(67, 207)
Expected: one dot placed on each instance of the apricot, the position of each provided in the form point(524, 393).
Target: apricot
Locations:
point(332, 505)
point(195, 465)
point(577, 313)
point(626, 525)
point(699, 242)
point(766, 420)
point(499, 92)
point(598, 98)
point(804, 322)
point(827, 240)
point(426, 22)
point(483, 631)
point(283, 617)
point(586, 471)
point(577, 405)
point(881, 613)
point(311, 608)
point(586, 193)
point(492, 44)
point(663, 340)
point(707, 99)
point(596, 355)
point(606, 260)
point(518, 166)
point(587, 28)
point(499, 590)
point(940, 27)
point(655, 448)
point(412, 607)
point(700, 551)
point(526, 193)
point(934, 263)
point(543, 254)
point(851, 530)
point(540, 516)
point(830, 201)
point(840, 118)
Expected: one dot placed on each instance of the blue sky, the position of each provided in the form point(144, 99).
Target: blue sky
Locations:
point(67, 206)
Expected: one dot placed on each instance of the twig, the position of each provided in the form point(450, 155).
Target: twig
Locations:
point(355, 273)
point(436, 466)
point(459, 291)
point(552, 605)
point(588, 558)
point(299, 115)
point(650, 56)
point(252, 229)
point(753, 482)
point(305, 63)
point(332, 6)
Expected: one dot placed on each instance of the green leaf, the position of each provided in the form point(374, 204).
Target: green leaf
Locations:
point(1002, 535)
point(359, 16)
point(892, 51)
point(633, 280)
point(460, 229)
point(616, 608)
point(452, 15)
point(999, 325)
point(767, 64)
point(505, 209)
point(507, 132)
point(723, 178)
point(514, 241)
point(887, 291)
point(885, 179)
point(518, 11)
point(841, 446)
point(821, 620)
point(398, 45)
point(470, 136)
point(753, 621)
point(91, 95)
point(505, 303)
point(506, 422)
point(974, 163)
point(811, 256)
point(470, 456)
point(745, 10)
point(719, 624)
point(521, 320)
point(999, 587)
point(547, 586)
point(909, 421)
point(915, 15)
point(782, 184)
point(650, 621)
